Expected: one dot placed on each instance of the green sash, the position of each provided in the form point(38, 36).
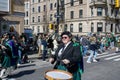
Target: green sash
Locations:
point(80, 69)
point(6, 62)
point(76, 75)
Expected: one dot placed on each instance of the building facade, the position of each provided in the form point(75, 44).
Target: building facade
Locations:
point(13, 22)
point(39, 14)
point(85, 16)
point(76, 16)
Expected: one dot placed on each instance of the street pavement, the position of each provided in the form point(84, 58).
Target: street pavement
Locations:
point(108, 68)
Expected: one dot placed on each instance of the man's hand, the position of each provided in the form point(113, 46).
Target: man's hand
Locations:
point(66, 61)
point(51, 60)
point(3, 47)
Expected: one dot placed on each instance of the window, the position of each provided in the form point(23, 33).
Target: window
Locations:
point(33, 10)
point(33, 19)
point(112, 1)
point(33, 28)
point(62, 3)
point(112, 12)
point(55, 5)
point(80, 27)
point(99, 11)
point(62, 16)
point(47, 29)
point(51, 6)
point(44, 18)
point(26, 6)
point(38, 18)
point(44, 8)
point(33, 1)
point(38, 8)
point(27, 22)
point(72, 2)
point(105, 27)
point(65, 28)
point(71, 27)
point(38, 29)
point(91, 11)
point(24, 22)
point(116, 13)
point(111, 28)
point(92, 27)
point(80, 13)
point(39, 1)
point(80, 1)
point(99, 26)
point(27, 13)
point(72, 14)
point(106, 12)
point(51, 17)
point(43, 28)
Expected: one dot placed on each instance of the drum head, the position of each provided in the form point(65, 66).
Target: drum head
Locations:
point(59, 74)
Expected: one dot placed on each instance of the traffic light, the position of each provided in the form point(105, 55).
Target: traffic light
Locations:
point(117, 3)
point(51, 26)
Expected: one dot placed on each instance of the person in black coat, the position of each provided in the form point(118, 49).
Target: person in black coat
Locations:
point(67, 56)
point(50, 43)
point(93, 49)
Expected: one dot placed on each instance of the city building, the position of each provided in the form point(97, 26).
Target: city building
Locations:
point(39, 14)
point(13, 20)
point(5, 9)
point(85, 16)
point(77, 16)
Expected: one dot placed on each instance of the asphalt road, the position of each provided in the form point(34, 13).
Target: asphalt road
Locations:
point(106, 69)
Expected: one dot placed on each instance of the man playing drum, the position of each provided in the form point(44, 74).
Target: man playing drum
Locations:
point(68, 57)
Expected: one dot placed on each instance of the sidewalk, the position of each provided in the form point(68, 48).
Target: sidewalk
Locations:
point(33, 56)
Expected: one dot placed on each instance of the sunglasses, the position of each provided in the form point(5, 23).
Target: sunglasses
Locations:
point(64, 37)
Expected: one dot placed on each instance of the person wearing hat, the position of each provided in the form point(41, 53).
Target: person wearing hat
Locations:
point(10, 56)
point(4, 40)
point(67, 56)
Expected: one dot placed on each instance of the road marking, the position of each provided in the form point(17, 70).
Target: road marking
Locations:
point(111, 54)
point(8, 79)
point(97, 54)
point(103, 53)
point(118, 59)
point(112, 57)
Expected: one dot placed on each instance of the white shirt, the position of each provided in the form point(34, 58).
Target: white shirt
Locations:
point(39, 42)
point(60, 51)
point(55, 44)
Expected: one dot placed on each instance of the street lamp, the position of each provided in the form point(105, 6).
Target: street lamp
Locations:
point(59, 2)
point(57, 20)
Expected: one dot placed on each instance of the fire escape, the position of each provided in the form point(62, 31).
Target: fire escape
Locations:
point(115, 14)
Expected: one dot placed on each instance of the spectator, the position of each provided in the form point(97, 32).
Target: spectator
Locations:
point(93, 49)
point(39, 45)
point(44, 48)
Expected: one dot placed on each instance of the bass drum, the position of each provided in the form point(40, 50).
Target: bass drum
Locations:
point(58, 75)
